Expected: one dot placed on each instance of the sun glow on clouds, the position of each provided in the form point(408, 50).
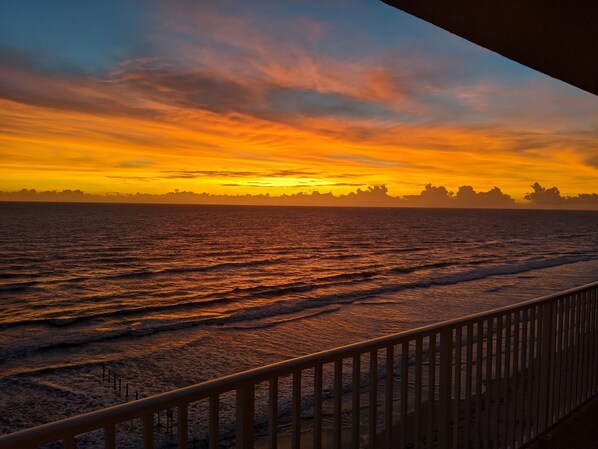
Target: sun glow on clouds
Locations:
point(230, 100)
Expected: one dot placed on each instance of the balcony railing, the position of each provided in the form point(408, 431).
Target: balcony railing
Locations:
point(497, 379)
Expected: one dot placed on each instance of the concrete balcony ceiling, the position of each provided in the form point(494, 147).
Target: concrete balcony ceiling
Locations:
point(556, 37)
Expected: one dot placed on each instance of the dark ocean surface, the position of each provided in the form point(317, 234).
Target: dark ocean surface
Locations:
point(169, 295)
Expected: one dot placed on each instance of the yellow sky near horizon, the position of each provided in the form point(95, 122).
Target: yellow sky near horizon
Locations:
point(238, 155)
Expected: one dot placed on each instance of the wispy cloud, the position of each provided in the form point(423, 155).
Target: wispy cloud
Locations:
point(136, 163)
point(192, 174)
point(311, 185)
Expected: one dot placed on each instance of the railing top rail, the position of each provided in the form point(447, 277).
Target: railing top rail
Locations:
point(98, 419)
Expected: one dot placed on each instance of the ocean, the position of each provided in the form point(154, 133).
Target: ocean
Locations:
point(170, 295)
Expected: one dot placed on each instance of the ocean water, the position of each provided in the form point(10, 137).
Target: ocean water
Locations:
point(169, 295)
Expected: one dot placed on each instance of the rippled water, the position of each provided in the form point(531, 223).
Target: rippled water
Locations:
point(171, 295)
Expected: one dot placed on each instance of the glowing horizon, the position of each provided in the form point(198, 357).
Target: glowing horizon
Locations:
point(278, 98)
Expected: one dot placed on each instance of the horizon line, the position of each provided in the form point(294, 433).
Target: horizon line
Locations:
point(516, 207)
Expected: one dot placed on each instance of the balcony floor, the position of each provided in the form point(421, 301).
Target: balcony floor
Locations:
point(579, 431)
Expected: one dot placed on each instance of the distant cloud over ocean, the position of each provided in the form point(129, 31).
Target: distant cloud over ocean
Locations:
point(373, 196)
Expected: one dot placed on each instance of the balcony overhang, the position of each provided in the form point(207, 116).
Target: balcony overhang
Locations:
point(556, 37)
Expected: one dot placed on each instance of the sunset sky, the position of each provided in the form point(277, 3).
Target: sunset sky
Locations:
point(274, 97)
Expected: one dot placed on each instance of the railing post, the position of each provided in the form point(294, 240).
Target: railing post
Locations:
point(594, 321)
point(446, 364)
point(214, 421)
point(183, 427)
point(296, 413)
point(273, 413)
point(245, 416)
point(148, 431)
point(110, 437)
point(338, 404)
point(373, 408)
point(546, 371)
point(355, 400)
point(317, 443)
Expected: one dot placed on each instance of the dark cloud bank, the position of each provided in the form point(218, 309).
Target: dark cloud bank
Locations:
point(376, 196)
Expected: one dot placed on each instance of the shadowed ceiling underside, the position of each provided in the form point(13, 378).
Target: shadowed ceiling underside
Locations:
point(556, 37)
